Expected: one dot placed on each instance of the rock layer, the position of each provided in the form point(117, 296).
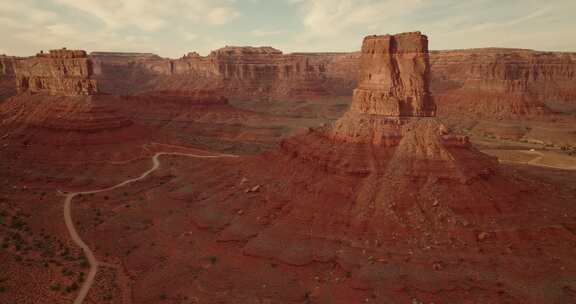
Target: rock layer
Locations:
point(54, 129)
point(237, 72)
point(7, 77)
point(394, 77)
point(502, 82)
point(393, 89)
point(479, 82)
point(59, 72)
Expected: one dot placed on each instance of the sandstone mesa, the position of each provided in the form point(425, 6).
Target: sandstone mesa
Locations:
point(59, 72)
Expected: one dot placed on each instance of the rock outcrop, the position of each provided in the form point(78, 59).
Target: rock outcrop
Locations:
point(59, 72)
point(7, 77)
point(391, 108)
point(392, 139)
point(7, 66)
point(58, 106)
point(394, 77)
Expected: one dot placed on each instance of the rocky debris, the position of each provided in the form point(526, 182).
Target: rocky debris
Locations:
point(253, 189)
point(438, 266)
point(59, 72)
point(482, 236)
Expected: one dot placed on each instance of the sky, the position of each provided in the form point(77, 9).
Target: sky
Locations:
point(172, 28)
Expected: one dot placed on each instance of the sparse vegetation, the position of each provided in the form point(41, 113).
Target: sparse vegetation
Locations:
point(73, 287)
point(55, 287)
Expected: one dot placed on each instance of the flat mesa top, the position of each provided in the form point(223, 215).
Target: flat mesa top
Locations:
point(412, 42)
point(64, 53)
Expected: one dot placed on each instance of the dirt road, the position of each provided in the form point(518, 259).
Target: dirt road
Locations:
point(74, 233)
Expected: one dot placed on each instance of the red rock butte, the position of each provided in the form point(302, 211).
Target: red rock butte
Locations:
point(59, 72)
point(392, 117)
point(394, 77)
point(385, 175)
point(58, 105)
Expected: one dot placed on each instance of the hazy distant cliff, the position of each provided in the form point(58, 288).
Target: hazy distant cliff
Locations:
point(502, 81)
point(480, 82)
point(240, 72)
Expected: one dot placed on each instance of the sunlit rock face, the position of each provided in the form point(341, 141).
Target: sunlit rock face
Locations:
point(394, 76)
point(59, 72)
point(391, 126)
point(393, 89)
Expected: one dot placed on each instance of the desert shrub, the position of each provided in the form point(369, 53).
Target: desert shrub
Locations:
point(73, 287)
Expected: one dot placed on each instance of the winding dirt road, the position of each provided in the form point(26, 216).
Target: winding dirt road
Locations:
point(74, 233)
point(536, 161)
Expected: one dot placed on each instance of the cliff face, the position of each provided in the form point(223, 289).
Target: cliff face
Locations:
point(392, 87)
point(7, 66)
point(238, 72)
point(478, 82)
point(123, 73)
point(60, 72)
point(403, 89)
point(7, 77)
point(502, 82)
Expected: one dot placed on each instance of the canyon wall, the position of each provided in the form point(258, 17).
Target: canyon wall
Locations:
point(59, 72)
point(239, 72)
point(123, 73)
point(477, 82)
point(502, 82)
point(7, 77)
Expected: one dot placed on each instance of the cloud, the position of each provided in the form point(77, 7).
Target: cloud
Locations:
point(190, 36)
point(221, 15)
point(265, 33)
point(175, 27)
point(152, 15)
point(24, 14)
point(333, 17)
